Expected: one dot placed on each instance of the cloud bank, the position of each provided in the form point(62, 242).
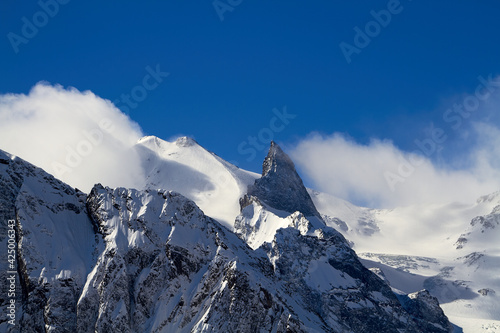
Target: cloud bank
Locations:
point(78, 137)
point(380, 175)
point(458, 158)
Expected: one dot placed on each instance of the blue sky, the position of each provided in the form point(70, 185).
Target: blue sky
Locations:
point(225, 77)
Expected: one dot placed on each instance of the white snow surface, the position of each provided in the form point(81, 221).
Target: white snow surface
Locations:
point(185, 167)
point(257, 224)
point(416, 247)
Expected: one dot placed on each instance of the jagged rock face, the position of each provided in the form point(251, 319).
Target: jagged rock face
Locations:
point(166, 267)
point(426, 311)
point(332, 283)
point(55, 241)
point(318, 265)
point(487, 224)
point(489, 221)
point(280, 186)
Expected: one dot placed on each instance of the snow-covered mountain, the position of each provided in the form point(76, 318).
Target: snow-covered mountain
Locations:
point(185, 167)
point(207, 247)
point(452, 250)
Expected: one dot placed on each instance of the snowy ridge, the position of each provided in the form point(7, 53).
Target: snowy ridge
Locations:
point(258, 223)
point(212, 275)
point(56, 243)
point(186, 167)
point(204, 265)
point(482, 234)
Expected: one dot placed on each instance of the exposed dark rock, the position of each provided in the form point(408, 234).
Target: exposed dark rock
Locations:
point(489, 221)
point(280, 186)
point(426, 312)
point(461, 242)
point(486, 291)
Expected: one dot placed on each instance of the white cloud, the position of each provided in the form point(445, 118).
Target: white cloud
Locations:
point(381, 175)
point(459, 161)
point(78, 137)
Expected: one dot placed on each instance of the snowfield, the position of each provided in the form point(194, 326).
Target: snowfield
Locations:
point(452, 250)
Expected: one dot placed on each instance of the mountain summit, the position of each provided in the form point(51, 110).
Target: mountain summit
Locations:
point(280, 186)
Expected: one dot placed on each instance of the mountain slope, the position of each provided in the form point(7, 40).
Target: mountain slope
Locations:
point(55, 246)
point(449, 249)
point(277, 200)
point(212, 277)
point(186, 167)
point(152, 261)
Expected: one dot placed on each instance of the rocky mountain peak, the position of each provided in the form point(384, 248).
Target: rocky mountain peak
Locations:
point(280, 185)
point(185, 141)
point(277, 161)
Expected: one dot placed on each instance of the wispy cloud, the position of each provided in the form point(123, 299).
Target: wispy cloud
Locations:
point(77, 136)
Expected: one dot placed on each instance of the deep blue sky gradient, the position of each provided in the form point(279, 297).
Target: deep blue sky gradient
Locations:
point(227, 76)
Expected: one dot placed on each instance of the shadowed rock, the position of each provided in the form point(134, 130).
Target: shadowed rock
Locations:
point(280, 186)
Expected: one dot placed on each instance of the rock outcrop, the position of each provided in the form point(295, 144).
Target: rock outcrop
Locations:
point(280, 186)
